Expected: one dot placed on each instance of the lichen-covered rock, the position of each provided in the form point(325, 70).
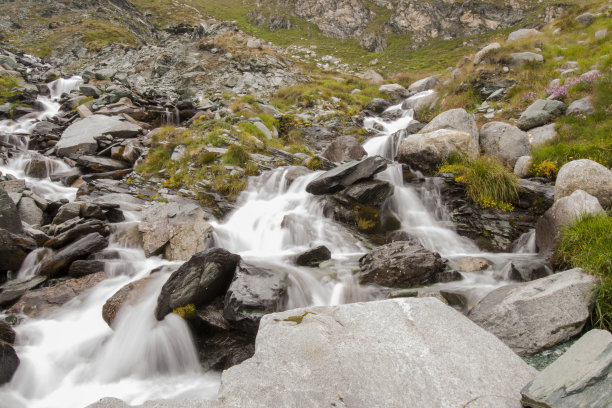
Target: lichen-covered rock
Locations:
point(540, 113)
point(535, 315)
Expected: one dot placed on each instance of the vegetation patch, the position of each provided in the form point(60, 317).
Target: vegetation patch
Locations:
point(9, 86)
point(587, 244)
point(488, 182)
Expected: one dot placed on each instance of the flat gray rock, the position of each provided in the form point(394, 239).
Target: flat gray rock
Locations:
point(536, 315)
point(346, 174)
point(80, 137)
point(582, 377)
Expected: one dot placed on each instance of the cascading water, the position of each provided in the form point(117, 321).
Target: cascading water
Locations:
point(71, 358)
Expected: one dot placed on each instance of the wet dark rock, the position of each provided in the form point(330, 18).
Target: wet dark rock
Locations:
point(254, 292)
point(535, 196)
point(400, 264)
point(13, 249)
point(41, 302)
point(346, 174)
point(525, 270)
point(80, 249)
point(7, 334)
point(9, 362)
point(222, 350)
point(378, 105)
point(371, 192)
point(198, 281)
point(85, 267)
point(344, 148)
point(14, 289)
point(9, 216)
point(313, 257)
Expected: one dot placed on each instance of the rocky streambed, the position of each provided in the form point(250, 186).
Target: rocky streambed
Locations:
point(115, 287)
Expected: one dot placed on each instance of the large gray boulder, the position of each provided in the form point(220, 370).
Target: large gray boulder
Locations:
point(80, 137)
point(518, 59)
point(542, 134)
point(427, 151)
point(455, 119)
point(424, 84)
point(9, 216)
point(344, 148)
point(362, 354)
point(540, 113)
point(346, 174)
point(582, 377)
point(522, 33)
point(480, 55)
point(198, 281)
point(580, 107)
point(586, 175)
point(563, 212)
point(254, 292)
point(536, 315)
point(504, 141)
point(176, 230)
point(401, 264)
point(421, 101)
point(370, 192)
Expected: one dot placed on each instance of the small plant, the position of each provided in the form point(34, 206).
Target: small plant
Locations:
point(314, 163)
point(186, 312)
point(488, 182)
point(236, 156)
point(546, 168)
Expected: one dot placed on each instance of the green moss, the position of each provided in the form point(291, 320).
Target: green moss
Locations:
point(252, 130)
point(9, 86)
point(587, 244)
point(298, 319)
point(186, 312)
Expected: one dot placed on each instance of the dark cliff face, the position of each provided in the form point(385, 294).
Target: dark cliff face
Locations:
point(423, 20)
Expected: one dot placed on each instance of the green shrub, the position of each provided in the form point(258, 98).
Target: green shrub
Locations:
point(488, 182)
point(236, 156)
point(587, 244)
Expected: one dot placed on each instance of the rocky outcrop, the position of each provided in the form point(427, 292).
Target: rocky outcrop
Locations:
point(401, 264)
point(178, 230)
point(582, 377)
point(254, 292)
point(585, 175)
point(81, 249)
point(563, 212)
point(42, 302)
point(198, 281)
point(346, 174)
point(427, 151)
point(532, 316)
point(344, 148)
point(504, 141)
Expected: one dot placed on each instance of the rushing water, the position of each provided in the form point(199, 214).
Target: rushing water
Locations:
point(72, 358)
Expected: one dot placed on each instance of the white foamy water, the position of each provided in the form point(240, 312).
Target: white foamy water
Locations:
point(71, 358)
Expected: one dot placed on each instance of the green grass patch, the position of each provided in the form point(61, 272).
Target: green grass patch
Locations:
point(488, 182)
point(236, 156)
point(9, 86)
point(587, 244)
point(582, 137)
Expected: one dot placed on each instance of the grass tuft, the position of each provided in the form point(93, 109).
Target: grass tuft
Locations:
point(587, 244)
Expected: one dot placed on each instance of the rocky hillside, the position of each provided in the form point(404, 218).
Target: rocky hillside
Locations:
point(372, 21)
